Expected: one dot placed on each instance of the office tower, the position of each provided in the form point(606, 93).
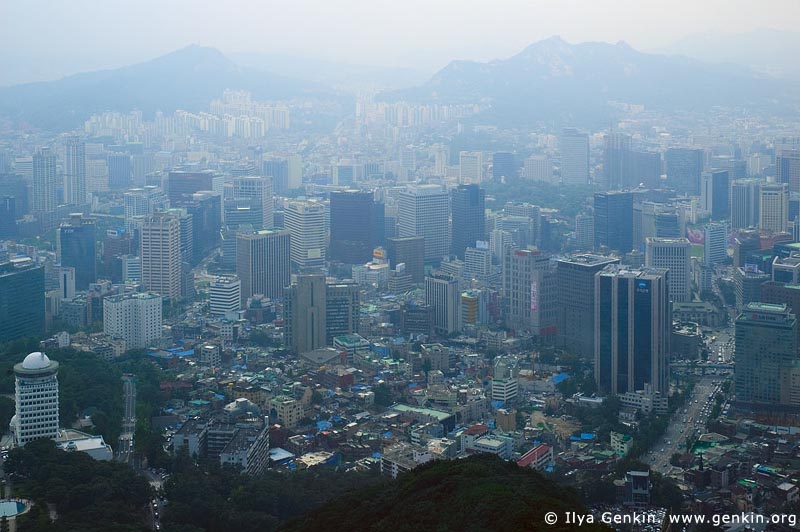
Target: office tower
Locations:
point(295, 169)
point(539, 168)
point(505, 386)
point(503, 165)
point(357, 226)
point(633, 324)
point(574, 147)
point(645, 169)
point(424, 211)
point(278, 170)
point(131, 268)
point(766, 348)
point(745, 243)
point(44, 181)
point(120, 171)
point(468, 211)
point(444, 297)
point(478, 262)
point(715, 246)
point(224, 296)
point(205, 208)
point(470, 167)
point(786, 269)
point(613, 221)
point(36, 398)
point(77, 241)
point(715, 194)
point(305, 220)
point(745, 199)
point(305, 313)
point(257, 191)
point(575, 301)
point(66, 282)
point(74, 171)
point(161, 255)
point(673, 255)
point(684, 166)
point(529, 291)
point(342, 310)
point(747, 282)
point(410, 251)
point(263, 263)
point(182, 185)
point(787, 168)
point(584, 232)
point(139, 202)
point(616, 160)
point(134, 318)
point(21, 299)
point(774, 207)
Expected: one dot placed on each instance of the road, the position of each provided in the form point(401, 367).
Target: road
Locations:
point(692, 417)
point(125, 443)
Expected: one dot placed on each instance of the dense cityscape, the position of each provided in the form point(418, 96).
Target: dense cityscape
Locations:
point(264, 312)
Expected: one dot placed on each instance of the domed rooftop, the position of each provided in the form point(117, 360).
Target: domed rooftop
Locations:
point(36, 360)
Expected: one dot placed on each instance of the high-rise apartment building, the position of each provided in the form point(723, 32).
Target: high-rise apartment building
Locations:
point(134, 318)
point(633, 324)
point(774, 207)
point(263, 263)
point(673, 254)
point(766, 348)
point(161, 255)
point(424, 211)
point(44, 181)
point(468, 211)
point(575, 301)
point(574, 148)
point(36, 398)
point(74, 171)
point(77, 247)
point(305, 221)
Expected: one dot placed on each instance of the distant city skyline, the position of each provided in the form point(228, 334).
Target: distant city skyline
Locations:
point(412, 34)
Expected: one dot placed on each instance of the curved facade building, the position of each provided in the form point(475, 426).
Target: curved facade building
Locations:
point(37, 399)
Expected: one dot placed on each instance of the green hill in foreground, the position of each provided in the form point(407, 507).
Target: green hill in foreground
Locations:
point(481, 493)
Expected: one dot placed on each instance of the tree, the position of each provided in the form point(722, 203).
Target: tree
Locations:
point(383, 395)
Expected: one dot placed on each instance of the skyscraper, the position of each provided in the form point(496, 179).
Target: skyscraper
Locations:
point(305, 313)
point(715, 246)
point(74, 171)
point(633, 324)
point(77, 243)
point(225, 296)
point(613, 221)
point(444, 297)
point(21, 299)
point(278, 170)
point(774, 207)
point(468, 211)
point(470, 167)
point(410, 251)
point(134, 318)
point(305, 221)
point(575, 301)
point(674, 255)
point(616, 160)
point(766, 348)
point(684, 166)
point(787, 167)
point(424, 211)
point(342, 309)
point(44, 181)
point(529, 291)
point(574, 148)
point(161, 255)
point(503, 165)
point(263, 263)
point(181, 185)
point(36, 398)
point(120, 171)
point(745, 199)
point(539, 168)
point(357, 226)
point(715, 194)
point(258, 192)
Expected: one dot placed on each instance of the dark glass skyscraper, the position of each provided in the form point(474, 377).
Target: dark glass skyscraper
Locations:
point(357, 226)
point(21, 299)
point(77, 245)
point(613, 220)
point(278, 169)
point(684, 166)
point(181, 185)
point(503, 165)
point(468, 211)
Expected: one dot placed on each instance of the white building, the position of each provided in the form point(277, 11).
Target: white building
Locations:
point(505, 386)
point(774, 207)
point(538, 168)
point(715, 247)
point(470, 167)
point(36, 395)
point(305, 221)
point(574, 148)
point(424, 211)
point(673, 254)
point(225, 296)
point(258, 190)
point(135, 318)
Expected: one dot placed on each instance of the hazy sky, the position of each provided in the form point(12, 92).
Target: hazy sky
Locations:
point(56, 37)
